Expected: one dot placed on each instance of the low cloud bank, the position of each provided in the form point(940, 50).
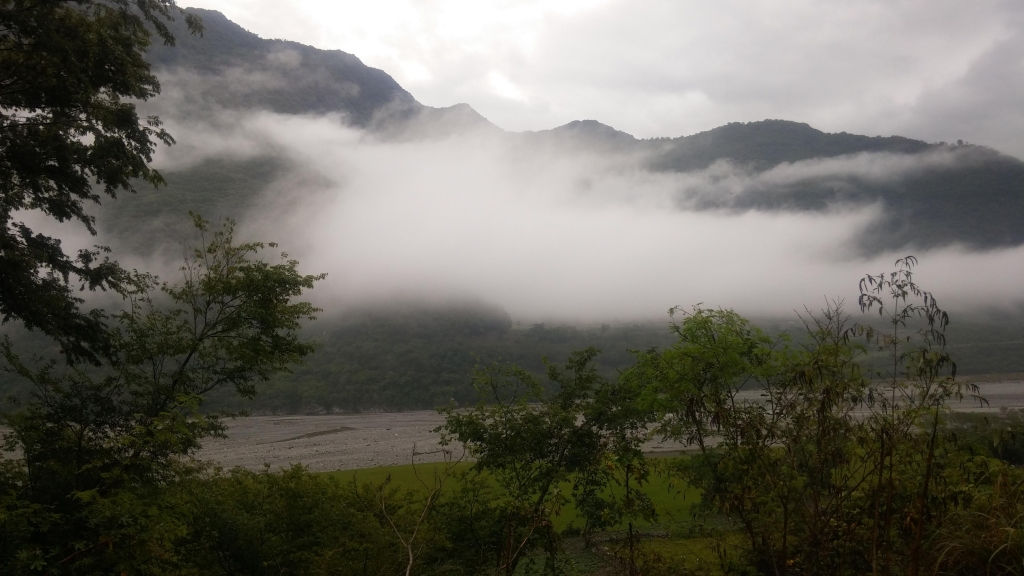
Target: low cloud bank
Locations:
point(567, 235)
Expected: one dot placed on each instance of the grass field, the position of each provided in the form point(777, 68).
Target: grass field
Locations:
point(670, 539)
point(671, 500)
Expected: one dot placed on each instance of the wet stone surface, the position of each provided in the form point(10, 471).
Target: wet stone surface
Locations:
point(337, 442)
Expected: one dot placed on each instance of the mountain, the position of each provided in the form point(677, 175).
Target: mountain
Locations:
point(236, 69)
point(586, 135)
point(943, 194)
point(970, 196)
point(231, 68)
point(768, 143)
point(926, 194)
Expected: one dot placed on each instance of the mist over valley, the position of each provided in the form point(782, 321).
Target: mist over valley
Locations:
point(449, 241)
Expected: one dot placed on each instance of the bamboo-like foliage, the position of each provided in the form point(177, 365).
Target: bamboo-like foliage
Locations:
point(828, 456)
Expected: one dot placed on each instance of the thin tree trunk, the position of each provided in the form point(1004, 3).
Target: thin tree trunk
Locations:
point(629, 505)
point(785, 535)
point(887, 525)
point(915, 551)
point(877, 503)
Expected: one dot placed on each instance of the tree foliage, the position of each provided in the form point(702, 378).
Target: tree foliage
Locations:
point(547, 449)
point(98, 443)
point(287, 522)
point(69, 134)
point(838, 460)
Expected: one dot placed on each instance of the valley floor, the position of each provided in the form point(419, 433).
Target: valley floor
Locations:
point(337, 441)
point(367, 440)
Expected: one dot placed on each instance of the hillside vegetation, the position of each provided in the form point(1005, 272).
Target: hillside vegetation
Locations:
point(413, 357)
point(847, 466)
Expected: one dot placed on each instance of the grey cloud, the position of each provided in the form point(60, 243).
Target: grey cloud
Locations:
point(929, 69)
point(667, 68)
point(982, 106)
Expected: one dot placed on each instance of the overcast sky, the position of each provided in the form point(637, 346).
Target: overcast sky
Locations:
point(928, 69)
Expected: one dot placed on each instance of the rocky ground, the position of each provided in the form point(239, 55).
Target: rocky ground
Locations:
point(337, 442)
point(331, 442)
point(349, 441)
point(342, 442)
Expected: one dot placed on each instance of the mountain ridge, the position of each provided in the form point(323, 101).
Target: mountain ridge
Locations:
point(294, 78)
point(961, 195)
point(365, 93)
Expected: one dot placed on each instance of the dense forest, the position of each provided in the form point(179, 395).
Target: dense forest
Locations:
point(418, 356)
point(424, 357)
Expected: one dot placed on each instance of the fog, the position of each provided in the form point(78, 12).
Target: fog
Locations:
point(558, 234)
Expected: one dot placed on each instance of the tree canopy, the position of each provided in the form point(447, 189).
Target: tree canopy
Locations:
point(70, 134)
point(97, 441)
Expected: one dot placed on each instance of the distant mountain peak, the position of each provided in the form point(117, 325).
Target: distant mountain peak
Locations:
point(592, 128)
point(585, 135)
point(767, 143)
point(233, 68)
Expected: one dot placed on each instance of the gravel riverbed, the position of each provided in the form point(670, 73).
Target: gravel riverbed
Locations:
point(366, 440)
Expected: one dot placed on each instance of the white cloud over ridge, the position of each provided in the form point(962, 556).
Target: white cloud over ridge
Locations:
point(562, 234)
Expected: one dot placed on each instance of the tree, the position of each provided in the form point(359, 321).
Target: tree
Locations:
point(531, 443)
point(694, 387)
point(98, 443)
point(290, 521)
point(612, 493)
point(913, 390)
point(406, 532)
point(69, 134)
point(840, 464)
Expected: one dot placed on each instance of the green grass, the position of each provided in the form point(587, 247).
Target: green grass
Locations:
point(669, 537)
point(671, 499)
point(404, 476)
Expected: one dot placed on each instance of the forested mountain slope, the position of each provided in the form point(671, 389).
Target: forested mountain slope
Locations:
point(409, 357)
point(230, 68)
point(764, 145)
point(958, 194)
point(237, 69)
